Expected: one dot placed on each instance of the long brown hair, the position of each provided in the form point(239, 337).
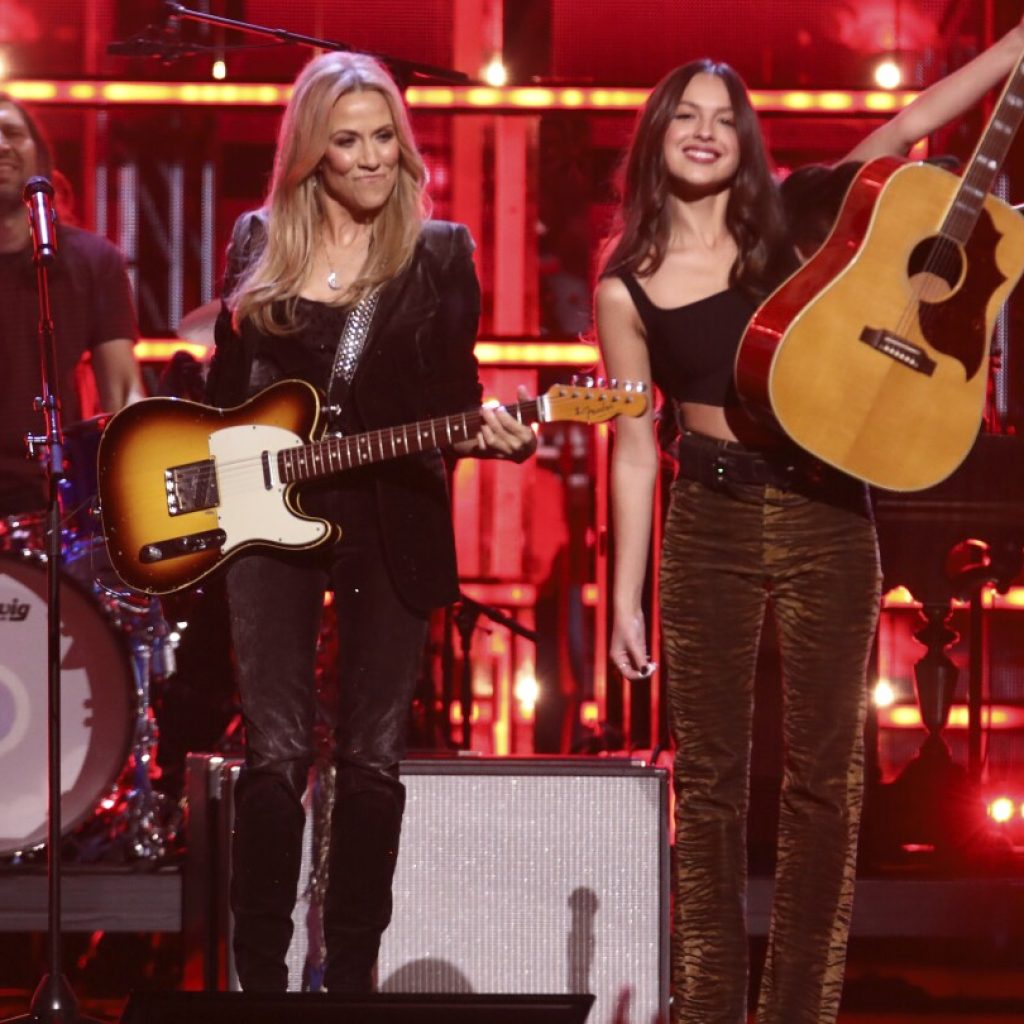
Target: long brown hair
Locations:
point(294, 213)
point(754, 212)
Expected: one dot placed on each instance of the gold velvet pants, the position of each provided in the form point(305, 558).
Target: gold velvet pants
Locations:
point(729, 551)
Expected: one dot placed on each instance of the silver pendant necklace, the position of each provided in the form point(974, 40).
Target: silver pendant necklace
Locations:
point(332, 277)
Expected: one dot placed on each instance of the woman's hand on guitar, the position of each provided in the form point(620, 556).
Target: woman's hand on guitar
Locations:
point(502, 436)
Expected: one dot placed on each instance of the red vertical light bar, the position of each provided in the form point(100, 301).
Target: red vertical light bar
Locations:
point(515, 243)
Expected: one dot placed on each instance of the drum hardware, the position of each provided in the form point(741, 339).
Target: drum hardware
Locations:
point(116, 644)
point(144, 824)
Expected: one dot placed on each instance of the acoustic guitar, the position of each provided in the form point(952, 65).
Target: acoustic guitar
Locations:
point(184, 486)
point(874, 355)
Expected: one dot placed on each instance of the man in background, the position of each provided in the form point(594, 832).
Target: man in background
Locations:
point(92, 308)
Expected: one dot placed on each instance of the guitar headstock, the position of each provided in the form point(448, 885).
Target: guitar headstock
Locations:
point(595, 401)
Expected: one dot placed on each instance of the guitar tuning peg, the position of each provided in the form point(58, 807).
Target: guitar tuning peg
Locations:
point(599, 382)
point(582, 380)
point(613, 382)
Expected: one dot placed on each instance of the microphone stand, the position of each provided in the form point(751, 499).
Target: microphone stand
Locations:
point(404, 70)
point(53, 1001)
point(465, 622)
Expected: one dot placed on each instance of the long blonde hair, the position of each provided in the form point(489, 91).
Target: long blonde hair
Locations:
point(268, 289)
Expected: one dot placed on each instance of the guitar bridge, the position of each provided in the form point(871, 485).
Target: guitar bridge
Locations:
point(895, 347)
point(191, 487)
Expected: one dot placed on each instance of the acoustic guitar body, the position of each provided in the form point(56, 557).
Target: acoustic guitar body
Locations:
point(874, 355)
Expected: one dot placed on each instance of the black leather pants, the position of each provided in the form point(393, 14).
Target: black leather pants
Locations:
point(275, 602)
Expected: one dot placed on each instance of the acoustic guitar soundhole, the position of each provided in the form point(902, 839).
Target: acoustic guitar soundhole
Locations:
point(942, 263)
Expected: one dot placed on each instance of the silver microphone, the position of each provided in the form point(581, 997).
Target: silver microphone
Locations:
point(38, 196)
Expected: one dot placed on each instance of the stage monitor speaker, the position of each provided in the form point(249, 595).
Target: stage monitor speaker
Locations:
point(316, 1008)
point(515, 875)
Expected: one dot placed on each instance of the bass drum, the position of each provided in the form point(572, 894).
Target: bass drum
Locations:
point(96, 703)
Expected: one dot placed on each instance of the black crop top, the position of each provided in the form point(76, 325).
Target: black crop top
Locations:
point(693, 347)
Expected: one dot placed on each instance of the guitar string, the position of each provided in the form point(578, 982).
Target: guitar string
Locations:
point(943, 259)
point(957, 225)
point(375, 440)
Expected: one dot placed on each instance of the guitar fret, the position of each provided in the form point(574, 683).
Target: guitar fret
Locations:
point(448, 429)
point(380, 443)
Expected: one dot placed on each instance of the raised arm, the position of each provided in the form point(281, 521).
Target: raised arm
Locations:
point(944, 101)
point(633, 473)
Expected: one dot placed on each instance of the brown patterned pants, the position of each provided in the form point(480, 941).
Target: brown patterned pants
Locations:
point(728, 551)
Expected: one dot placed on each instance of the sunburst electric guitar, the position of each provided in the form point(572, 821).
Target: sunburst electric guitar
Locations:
point(874, 355)
point(184, 486)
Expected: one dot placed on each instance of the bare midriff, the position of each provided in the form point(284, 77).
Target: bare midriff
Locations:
point(727, 424)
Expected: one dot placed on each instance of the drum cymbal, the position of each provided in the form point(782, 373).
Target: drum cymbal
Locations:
point(197, 325)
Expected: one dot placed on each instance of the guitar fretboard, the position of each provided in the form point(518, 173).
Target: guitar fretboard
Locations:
point(988, 157)
point(337, 453)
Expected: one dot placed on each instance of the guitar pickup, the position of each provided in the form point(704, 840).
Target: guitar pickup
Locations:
point(191, 487)
point(175, 547)
point(895, 347)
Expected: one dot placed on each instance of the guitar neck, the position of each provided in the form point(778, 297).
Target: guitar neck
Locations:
point(980, 175)
point(338, 453)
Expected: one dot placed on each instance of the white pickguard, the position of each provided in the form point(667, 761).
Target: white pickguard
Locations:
point(248, 509)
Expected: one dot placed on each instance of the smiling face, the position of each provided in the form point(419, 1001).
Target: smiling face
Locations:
point(359, 168)
point(701, 147)
point(18, 155)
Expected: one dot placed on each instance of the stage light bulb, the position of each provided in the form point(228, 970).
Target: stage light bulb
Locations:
point(527, 689)
point(495, 73)
point(219, 70)
point(883, 695)
point(1001, 809)
point(888, 75)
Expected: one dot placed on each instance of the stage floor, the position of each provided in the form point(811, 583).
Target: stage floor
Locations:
point(924, 949)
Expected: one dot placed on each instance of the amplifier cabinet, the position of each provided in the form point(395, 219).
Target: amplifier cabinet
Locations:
point(539, 875)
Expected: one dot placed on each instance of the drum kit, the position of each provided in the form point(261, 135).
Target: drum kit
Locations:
point(115, 644)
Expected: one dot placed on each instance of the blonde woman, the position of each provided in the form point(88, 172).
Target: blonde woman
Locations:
point(341, 281)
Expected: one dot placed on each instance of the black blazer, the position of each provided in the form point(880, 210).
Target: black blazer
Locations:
point(417, 362)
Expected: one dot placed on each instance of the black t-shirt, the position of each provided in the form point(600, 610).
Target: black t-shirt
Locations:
point(91, 301)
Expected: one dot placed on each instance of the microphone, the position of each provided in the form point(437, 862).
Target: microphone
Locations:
point(38, 196)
